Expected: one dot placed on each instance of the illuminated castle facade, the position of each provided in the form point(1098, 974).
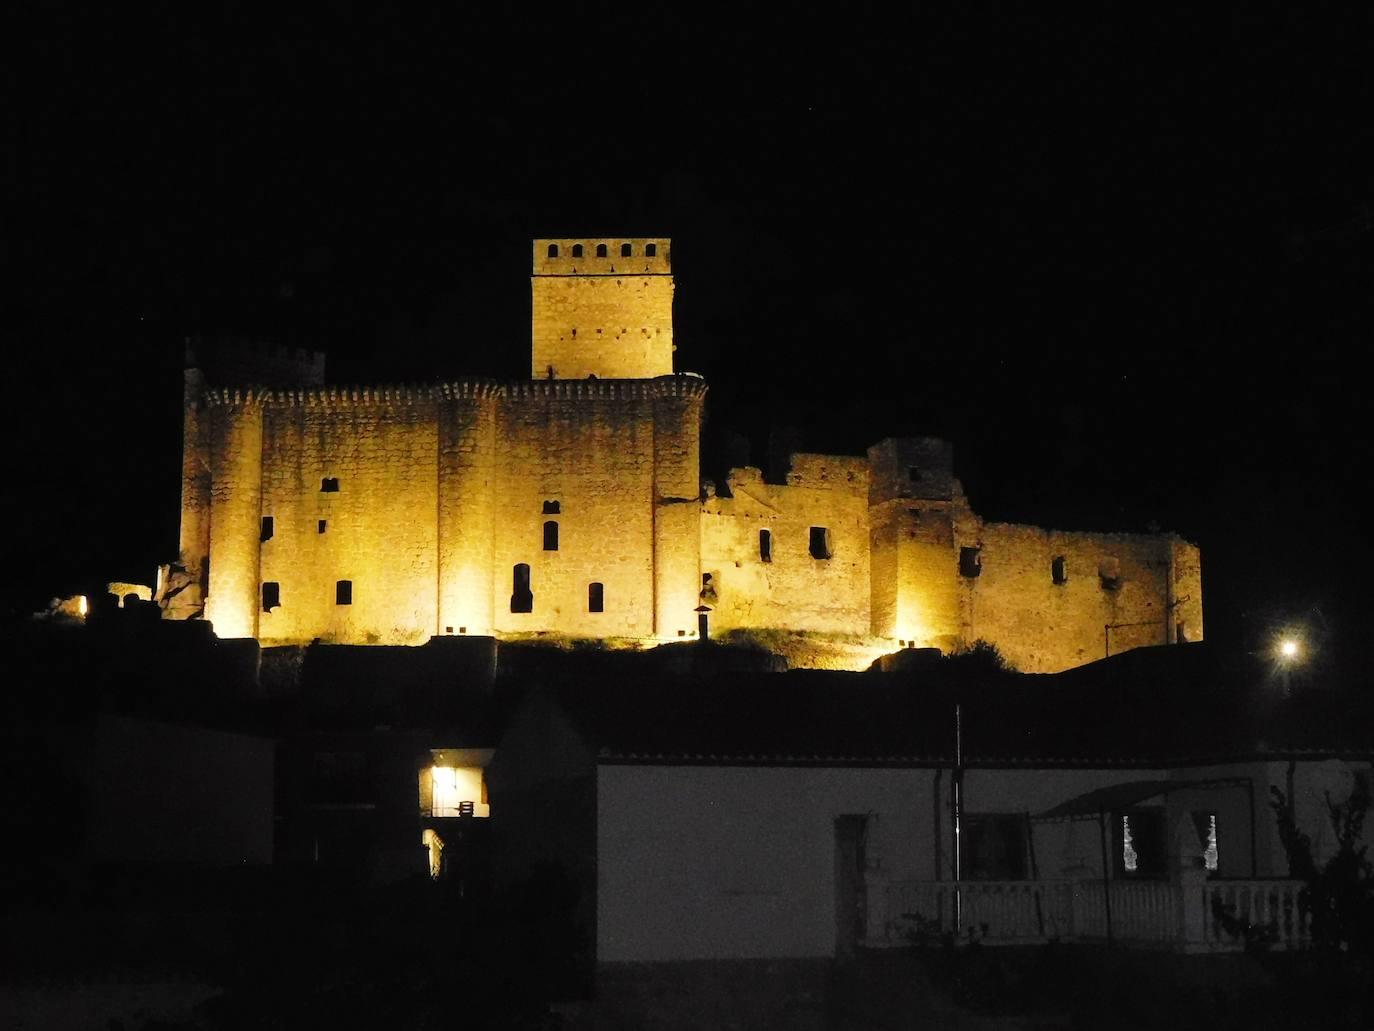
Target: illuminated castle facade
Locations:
point(571, 504)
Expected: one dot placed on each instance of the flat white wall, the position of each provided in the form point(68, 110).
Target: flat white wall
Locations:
point(697, 862)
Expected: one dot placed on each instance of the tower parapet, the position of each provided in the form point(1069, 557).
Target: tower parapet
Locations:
point(602, 308)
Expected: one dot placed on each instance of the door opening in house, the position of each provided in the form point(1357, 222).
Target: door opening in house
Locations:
point(851, 898)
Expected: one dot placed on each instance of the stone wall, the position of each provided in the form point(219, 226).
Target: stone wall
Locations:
point(790, 588)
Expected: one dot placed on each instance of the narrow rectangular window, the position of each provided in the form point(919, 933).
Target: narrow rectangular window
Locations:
point(970, 562)
point(820, 542)
point(266, 534)
point(1058, 570)
point(521, 598)
point(626, 250)
point(596, 597)
point(766, 545)
point(551, 536)
point(329, 485)
point(651, 250)
point(271, 595)
point(320, 526)
point(343, 592)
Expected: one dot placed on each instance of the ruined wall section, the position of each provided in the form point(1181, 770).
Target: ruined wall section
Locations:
point(350, 481)
point(609, 317)
point(469, 452)
point(587, 447)
point(790, 588)
point(1115, 591)
point(235, 458)
point(1186, 602)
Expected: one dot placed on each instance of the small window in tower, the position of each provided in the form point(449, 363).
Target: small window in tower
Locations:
point(521, 599)
point(321, 526)
point(1059, 571)
point(577, 250)
point(329, 485)
point(343, 592)
point(766, 545)
point(551, 508)
point(651, 250)
point(266, 534)
point(271, 595)
point(551, 535)
point(601, 250)
point(596, 597)
point(1109, 572)
point(553, 250)
point(970, 562)
point(626, 250)
point(820, 542)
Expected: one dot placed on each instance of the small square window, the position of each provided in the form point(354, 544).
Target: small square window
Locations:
point(343, 592)
point(651, 250)
point(626, 250)
point(601, 250)
point(577, 250)
point(551, 508)
point(271, 595)
point(329, 485)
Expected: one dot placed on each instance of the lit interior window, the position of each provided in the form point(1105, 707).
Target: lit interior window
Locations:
point(457, 791)
point(1128, 856)
point(1209, 854)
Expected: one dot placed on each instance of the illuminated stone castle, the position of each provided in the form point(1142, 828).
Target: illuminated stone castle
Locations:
point(571, 505)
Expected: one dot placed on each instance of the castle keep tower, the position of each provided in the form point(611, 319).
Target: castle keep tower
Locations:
point(602, 307)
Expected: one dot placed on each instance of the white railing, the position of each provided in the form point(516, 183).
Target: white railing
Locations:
point(1269, 912)
point(1190, 913)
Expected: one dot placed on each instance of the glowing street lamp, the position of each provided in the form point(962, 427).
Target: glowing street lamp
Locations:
point(1289, 650)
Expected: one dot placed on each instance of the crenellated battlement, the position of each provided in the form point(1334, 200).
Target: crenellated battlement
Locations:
point(603, 256)
point(684, 385)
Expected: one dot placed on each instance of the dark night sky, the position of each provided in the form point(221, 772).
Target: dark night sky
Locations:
point(1124, 264)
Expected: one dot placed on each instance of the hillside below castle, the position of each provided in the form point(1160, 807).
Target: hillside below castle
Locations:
point(571, 506)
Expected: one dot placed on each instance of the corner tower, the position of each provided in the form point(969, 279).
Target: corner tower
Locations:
point(602, 307)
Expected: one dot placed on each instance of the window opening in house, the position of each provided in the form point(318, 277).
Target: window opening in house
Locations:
point(626, 250)
point(995, 847)
point(577, 250)
point(343, 592)
point(820, 542)
point(551, 535)
point(596, 597)
point(766, 545)
point(551, 508)
point(1109, 572)
point(329, 485)
point(1129, 859)
point(271, 595)
point(1058, 571)
point(321, 525)
point(601, 250)
point(970, 562)
point(266, 534)
point(553, 250)
point(651, 250)
point(521, 599)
